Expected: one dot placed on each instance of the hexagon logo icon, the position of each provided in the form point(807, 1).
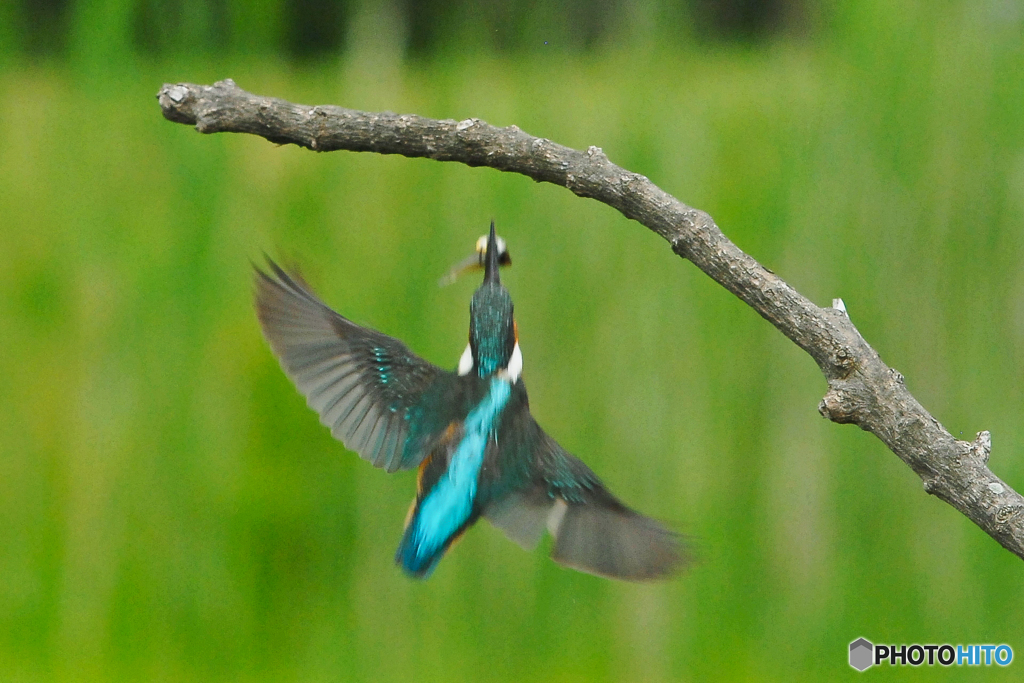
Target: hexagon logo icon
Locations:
point(861, 654)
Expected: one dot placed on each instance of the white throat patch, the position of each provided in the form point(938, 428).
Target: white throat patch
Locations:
point(466, 361)
point(513, 371)
point(515, 364)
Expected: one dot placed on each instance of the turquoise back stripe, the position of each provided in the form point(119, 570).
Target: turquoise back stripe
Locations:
point(449, 503)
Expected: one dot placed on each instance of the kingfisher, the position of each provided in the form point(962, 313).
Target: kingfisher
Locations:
point(469, 431)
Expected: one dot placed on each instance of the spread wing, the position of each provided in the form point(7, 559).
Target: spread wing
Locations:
point(361, 382)
point(593, 531)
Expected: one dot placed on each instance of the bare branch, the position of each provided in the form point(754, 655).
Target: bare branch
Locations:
point(862, 389)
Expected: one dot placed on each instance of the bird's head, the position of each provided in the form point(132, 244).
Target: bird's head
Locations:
point(493, 341)
point(478, 259)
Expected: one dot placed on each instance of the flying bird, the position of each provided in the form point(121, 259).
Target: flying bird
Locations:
point(469, 431)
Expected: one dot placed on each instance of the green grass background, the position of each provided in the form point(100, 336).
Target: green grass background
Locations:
point(170, 510)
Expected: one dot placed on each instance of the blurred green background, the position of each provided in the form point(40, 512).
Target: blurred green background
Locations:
point(170, 510)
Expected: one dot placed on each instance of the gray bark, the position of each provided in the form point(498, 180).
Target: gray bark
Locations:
point(862, 390)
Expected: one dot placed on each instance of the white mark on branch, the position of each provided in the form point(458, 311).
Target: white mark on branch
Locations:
point(177, 93)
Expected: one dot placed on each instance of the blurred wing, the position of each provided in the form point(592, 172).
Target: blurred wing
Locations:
point(361, 382)
point(522, 515)
point(593, 531)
